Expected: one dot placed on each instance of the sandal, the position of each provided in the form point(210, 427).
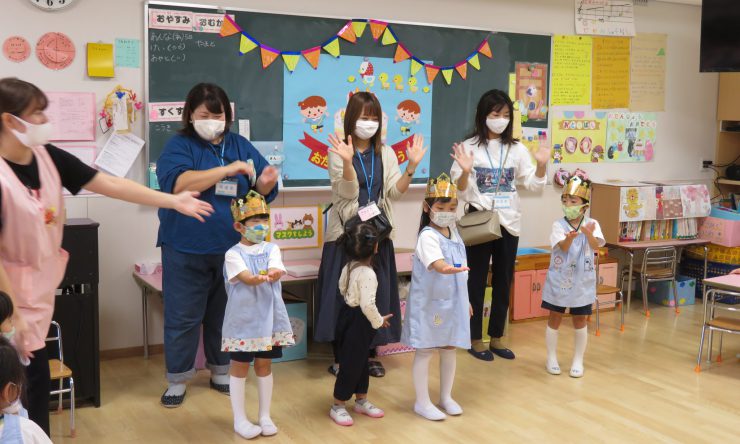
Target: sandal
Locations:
point(375, 368)
point(171, 401)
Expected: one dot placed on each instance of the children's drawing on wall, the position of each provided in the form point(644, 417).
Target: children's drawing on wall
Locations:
point(531, 90)
point(631, 136)
point(314, 102)
point(696, 201)
point(578, 136)
point(633, 204)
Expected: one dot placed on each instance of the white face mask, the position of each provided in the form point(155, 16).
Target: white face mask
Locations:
point(35, 135)
point(497, 125)
point(443, 218)
point(209, 129)
point(365, 129)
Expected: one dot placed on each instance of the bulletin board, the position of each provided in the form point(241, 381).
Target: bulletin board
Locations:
point(176, 60)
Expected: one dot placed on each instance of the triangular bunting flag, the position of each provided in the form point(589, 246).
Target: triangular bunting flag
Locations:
point(229, 27)
point(401, 54)
point(447, 74)
point(312, 56)
point(388, 37)
point(485, 49)
point(432, 72)
point(247, 43)
point(359, 27)
point(268, 55)
point(462, 69)
point(291, 60)
point(348, 33)
point(474, 61)
point(332, 46)
point(416, 65)
point(377, 27)
point(661, 52)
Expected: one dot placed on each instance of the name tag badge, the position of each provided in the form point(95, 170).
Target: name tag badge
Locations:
point(226, 187)
point(501, 202)
point(368, 211)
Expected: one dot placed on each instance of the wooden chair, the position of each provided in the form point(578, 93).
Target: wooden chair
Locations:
point(658, 265)
point(60, 372)
point(602, 289)
point(722, 324)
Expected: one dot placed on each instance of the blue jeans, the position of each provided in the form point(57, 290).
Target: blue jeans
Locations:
point(193, 290)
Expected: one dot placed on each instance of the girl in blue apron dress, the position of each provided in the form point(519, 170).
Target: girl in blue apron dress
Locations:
point(256, 323)
point(571, 278)
point(15, 427)
point(437, 311)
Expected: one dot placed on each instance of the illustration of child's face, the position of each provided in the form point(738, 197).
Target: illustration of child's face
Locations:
point(313, 112)
point(407, 116)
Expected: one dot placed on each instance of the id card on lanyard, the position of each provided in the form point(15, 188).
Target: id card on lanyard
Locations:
point(226, 187)
point(499, 201)
point(371, 209)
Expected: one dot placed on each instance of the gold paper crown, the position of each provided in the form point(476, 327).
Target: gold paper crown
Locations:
point(250, 205)
point(575, 186)
point(442, 186)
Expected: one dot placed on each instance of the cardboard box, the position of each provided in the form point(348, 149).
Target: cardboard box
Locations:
point(725, 232)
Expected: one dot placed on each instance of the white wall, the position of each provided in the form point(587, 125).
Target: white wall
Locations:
point(128, 232)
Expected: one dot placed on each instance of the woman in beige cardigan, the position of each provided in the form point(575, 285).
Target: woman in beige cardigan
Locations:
point(363, 170)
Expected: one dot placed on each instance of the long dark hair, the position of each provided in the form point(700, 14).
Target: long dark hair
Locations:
point(215, 100)
point(11, 369)
point(426, 215)
point(359, 241)
point(493, 100)
point(363, 102)
point(17, 95)
point(6, 306)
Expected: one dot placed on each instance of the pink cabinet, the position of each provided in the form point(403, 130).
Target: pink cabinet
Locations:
point(524, 285)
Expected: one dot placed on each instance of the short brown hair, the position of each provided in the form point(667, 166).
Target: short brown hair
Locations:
point(363, 102)
point(17, 95)
point(215, 100)
point(410, 105)
point(312, 102)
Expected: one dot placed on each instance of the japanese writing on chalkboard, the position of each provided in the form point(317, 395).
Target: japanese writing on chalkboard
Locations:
point(185, 21)
point(169, 111)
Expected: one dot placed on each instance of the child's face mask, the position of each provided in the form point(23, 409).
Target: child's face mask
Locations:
point(573, 212)
point(255, 233)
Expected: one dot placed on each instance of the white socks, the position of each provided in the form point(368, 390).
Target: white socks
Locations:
point(242, 426)
point(175, 389)
point(581, 339)
point(447, 364)
point(264, 388)
point(551, 340)
point(420, 369)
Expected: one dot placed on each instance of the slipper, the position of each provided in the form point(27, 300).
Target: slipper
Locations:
point(375, 368)
point(484, 355)
point(503, 352)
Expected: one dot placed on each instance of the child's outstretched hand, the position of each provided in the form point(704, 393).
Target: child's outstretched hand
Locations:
point(588, 229)
point(451, 269)
point(386, 320)
point(275, 274)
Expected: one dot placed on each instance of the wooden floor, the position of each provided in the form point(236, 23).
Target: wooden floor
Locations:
point(639, 386)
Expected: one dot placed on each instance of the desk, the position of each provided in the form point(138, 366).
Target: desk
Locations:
point(730, 284)
point(631, 247)
point(152, 284)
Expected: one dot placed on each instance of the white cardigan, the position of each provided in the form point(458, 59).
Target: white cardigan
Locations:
point(345, 193)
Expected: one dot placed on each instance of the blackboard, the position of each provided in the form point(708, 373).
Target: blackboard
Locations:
point(258, 93)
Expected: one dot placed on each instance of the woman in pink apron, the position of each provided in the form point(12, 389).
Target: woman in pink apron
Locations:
point(32, 262)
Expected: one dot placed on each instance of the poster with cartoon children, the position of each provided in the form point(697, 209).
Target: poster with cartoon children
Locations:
point(295, 227)
point(631, 137)
point(314, 102)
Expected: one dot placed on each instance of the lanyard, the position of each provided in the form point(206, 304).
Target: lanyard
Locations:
point(571, 225)
point(223, 147)
point(372, 174)
point(500, 156)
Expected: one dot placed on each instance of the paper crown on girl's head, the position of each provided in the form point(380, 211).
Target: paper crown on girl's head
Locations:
point(252, 204)
point(442, 186)
point(578, 187)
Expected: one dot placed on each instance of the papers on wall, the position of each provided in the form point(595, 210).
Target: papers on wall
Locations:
point(100, 60)
point(571, 70)
point(72, 115)
point(605, 17)
point(119, 153)
point(647, 72)
point(128, 53)
point(610, 86)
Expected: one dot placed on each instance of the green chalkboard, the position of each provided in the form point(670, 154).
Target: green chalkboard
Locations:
point(177, 60)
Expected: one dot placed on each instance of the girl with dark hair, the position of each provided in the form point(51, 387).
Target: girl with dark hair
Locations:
point(438, 311)
point(359, 319)
point(363, 171)
point(205, 157)
point(32, 262)
point(491, 151)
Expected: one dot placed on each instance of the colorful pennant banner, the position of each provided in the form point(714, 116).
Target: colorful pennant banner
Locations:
point(350, 32)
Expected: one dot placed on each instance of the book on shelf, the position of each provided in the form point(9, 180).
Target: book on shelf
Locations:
point(651, 230)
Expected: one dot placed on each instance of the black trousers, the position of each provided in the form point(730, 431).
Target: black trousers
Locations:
point(38, 381)
point(503, 251)
point(353, 337)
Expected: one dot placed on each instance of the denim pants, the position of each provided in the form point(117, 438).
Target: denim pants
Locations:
point(193, 290)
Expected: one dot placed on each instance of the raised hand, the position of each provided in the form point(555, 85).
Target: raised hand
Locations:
point(588, 229)
point(542, 155)
point(187, 203)
point(268, 178)
point(415, 150)
point(340, 148)
point(464, 159)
